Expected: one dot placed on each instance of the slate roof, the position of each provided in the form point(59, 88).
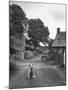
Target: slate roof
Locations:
point(60, 40)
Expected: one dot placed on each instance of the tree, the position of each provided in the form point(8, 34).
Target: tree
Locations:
point(16, 16)
point(37, 31)
point(17, 19)
point(50, 43)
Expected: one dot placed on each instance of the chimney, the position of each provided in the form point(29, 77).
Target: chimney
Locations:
point(58, 30)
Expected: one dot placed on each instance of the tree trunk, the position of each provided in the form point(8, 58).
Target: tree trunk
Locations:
point(34, 47)
point(22, 48)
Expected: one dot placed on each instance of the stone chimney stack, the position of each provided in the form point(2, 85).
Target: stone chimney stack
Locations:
point(58, 30)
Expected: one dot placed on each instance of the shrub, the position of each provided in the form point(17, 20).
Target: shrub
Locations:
point(62, 65)
point(28, 55)
point(12, 66)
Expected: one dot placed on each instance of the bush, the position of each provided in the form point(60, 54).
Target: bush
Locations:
point(35, 53)
point(28, 55)
point(62, 65)
point(15, 57)
point(39, 51)
point(12, 66)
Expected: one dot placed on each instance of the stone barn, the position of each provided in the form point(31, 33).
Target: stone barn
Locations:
point(59, 45)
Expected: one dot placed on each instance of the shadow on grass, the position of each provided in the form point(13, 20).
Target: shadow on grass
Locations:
point(13, 68)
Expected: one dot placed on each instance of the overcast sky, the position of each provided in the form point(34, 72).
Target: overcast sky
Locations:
point(52, 15)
